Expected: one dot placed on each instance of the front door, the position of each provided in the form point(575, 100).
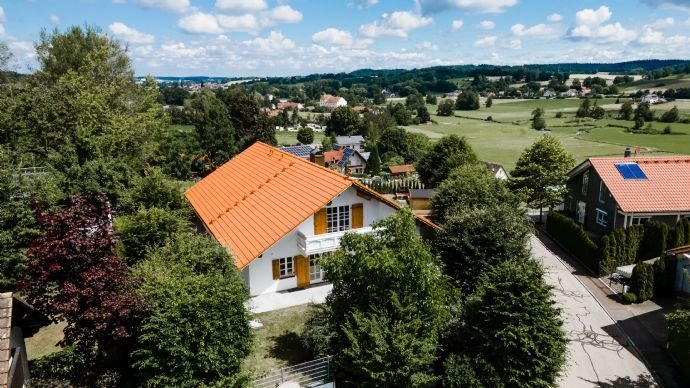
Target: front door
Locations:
point(302, 271)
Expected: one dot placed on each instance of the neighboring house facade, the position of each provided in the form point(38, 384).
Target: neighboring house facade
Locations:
point(549, 93)
point(420, 201)
point(345, 160)
point(572, 93)
point(498, 170)
point(585, 91)
point(277, 214)
point(18, 320)
point(289, 105)
point(401, 171)
point(650, 98)
point(354, 142)
point(332, 102)
point(608, 193)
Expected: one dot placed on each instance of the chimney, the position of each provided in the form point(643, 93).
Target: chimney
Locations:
point(627, 153)
point(317, 157)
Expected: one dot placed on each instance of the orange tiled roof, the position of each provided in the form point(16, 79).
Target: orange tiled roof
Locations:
point(255, 199)
point(401, 169)
point(666, 189)
point(333, 156)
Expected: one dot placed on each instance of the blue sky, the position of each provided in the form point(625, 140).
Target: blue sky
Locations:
point(291, 37)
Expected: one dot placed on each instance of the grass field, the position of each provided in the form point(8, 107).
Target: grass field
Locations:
point(508, 134)
point(278, 343)
point(45, 341)
point(672, 82)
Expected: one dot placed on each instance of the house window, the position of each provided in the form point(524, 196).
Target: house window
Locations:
point(602, 218)
point(585, 182)
point(337, 218)
point(286, 267)
point(602, 192)
point(316, 273)
point(639, 220)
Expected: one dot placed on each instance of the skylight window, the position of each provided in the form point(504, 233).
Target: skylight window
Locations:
point(630, 171)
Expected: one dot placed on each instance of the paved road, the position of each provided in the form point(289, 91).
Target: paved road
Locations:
point(599, 354)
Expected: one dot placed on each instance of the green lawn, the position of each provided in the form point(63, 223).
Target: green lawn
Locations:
point(278, 343)
point(503, 139)
point(672, 82)
point(45, 341)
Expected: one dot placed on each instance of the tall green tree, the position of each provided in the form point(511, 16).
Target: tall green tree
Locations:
point(447, 154)
point(374, 163)
point(305, 135)
point(423, 115)
point(670, 116)
point(446, 108)
point(344, 121)
point(626, 111)
point(511, 333)
point(538, 121)
point(214, 130)
point(246, 115)
point(467, 101)
point(541, 173)
point(388, 304)
point(584, 109)
point(469, 186)
point(197, 332)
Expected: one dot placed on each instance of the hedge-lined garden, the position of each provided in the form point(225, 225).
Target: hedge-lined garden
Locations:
point(573, 237)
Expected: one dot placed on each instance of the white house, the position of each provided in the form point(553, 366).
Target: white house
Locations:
point(332, 102)
point(572, 93)
point(549, 93)
point(650, 98)
point(498, 170)
point(346, 160)
point(354, 142)
point(277, 214)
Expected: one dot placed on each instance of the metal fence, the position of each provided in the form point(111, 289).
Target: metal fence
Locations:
point(313, 373)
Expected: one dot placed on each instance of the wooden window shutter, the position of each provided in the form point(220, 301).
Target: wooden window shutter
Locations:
point(357, 216)
point(320, 222)
point(276, 269)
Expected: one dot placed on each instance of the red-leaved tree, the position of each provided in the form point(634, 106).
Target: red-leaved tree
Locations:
point(75, 276)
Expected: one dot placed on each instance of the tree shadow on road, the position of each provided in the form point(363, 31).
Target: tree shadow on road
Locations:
point(641, 381)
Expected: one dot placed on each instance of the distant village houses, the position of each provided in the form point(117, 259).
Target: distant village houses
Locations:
point(332, 102)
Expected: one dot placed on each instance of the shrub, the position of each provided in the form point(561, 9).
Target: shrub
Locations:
point(667, 130)
point(642, 281)
point(629, 297)
point(665, 276)
point(573, 238)
point(679, 337)
point(559, 115)
point(318, 333)
point(489, 118)
point(653, 242)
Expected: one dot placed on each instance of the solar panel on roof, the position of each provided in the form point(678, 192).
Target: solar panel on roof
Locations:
point(346, 155)
point(300, 151)
point(630, 171)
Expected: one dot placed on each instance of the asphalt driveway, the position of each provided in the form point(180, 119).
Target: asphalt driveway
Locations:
point(599, 354)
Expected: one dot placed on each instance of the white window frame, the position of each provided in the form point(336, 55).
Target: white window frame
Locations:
point(286, 266)
point(602, 218)
point(337, 218)
point(585, 182)
point(602, 192)
point(316, 273)
point(581, 211)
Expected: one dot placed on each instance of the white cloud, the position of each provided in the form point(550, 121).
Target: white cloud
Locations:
point(487, 25)
point(54, 19)
point(241, 6)
point(650, 36)
point(589, 25)
point(482, 6)
point(396, 24)
point(177, 6)
point(333, 37)
point(275, 43)
point(535, 30)
point(554, 17)
point(680, 5)
point(486, 41)
point(285, 14)
point(456, 25)
point(129, 34)
point(661, 23)
point(200, 23)
point(2, 31)
point(2, 15)
point(363, 3)
point(513, 44)
point(245, 23)
point(427, 46)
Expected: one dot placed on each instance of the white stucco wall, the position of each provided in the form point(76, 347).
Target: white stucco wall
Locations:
point(260, 271)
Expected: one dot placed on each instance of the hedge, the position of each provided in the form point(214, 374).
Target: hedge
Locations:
point(573, 238)
point(642, 281)
point(619, 247)
point(653, 242)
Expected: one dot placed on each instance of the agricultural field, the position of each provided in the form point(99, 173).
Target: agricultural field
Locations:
point(503, 139)
point(671, 82)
